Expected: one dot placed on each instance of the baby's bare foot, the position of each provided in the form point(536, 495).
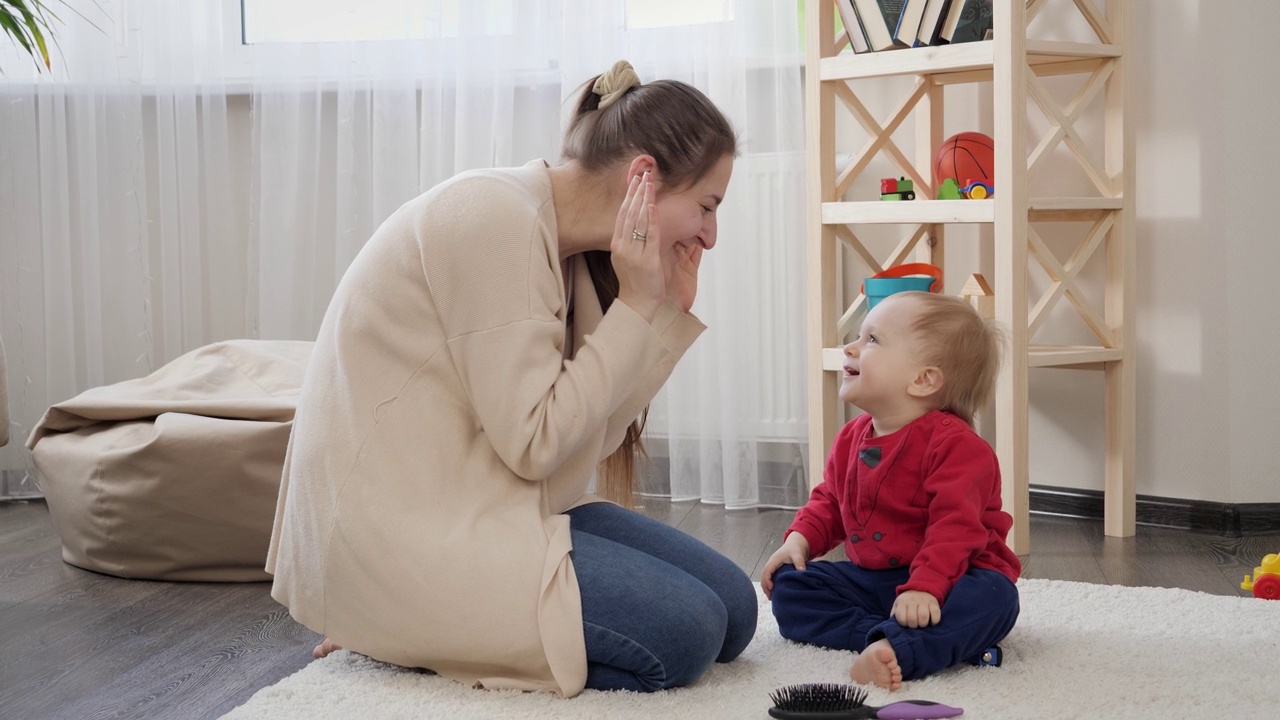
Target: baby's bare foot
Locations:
point(877, 664)
point(325, 648)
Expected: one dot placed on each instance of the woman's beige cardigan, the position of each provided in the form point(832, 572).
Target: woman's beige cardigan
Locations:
point(443, 427)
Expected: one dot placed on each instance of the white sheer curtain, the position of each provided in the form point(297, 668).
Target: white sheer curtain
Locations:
point(168, 187)
point(119, 240)
point(730, 421)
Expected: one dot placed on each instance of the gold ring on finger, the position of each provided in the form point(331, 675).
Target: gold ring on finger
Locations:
point(637, 235)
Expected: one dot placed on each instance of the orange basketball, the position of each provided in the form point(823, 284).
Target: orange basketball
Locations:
point(966, 156)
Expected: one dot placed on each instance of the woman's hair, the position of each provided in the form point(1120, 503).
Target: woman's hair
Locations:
point(687, 135)
point(966, 347)
point(675, 123)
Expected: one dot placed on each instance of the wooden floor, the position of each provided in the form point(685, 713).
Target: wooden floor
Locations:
point(75, 644)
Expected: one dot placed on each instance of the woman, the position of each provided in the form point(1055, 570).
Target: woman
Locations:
point(494, 342)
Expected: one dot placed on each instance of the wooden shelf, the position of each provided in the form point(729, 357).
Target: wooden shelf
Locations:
point(1072, 356)
point(1015, 66)
point(962, 58)
point(1067, 209)
point(932, 212)
point(1038, 356)
point(909, 211)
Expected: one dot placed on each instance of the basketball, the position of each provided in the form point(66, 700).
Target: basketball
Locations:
point(965, 156)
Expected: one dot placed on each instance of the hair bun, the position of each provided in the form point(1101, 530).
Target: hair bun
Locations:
point(615, 83)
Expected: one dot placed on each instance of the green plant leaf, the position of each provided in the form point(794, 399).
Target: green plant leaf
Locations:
point(38, 36)
point(18, 32)
point(29, 23)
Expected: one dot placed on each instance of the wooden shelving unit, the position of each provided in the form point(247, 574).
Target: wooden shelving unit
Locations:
point(1015, 65)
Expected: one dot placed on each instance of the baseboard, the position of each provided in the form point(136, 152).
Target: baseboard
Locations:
point(1227, 519)
point(18, 484)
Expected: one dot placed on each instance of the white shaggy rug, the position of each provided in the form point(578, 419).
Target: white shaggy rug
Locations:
point(1078, 651)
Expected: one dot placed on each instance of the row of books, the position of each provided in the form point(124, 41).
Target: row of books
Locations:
point(875, 25)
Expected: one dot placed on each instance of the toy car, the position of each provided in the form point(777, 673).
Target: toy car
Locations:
point(899, 189)
point(1265, 581)
point(977, 189)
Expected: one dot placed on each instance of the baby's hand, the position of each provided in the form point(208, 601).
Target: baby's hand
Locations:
point(916, 609)
point(794, 551)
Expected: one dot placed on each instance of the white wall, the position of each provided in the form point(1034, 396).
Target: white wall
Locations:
point(1209, 337)
point(1205, 106)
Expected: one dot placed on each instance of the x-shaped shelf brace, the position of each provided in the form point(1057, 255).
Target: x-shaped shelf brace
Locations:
point(1063, 278)
point(881, 138)
point(1065, 130)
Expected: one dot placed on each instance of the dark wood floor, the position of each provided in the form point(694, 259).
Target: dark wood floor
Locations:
point(75, 644)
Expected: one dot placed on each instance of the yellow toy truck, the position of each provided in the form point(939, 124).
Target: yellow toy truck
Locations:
point(1265, 581)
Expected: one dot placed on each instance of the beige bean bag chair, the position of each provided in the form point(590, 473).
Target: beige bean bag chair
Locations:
point(174, 476)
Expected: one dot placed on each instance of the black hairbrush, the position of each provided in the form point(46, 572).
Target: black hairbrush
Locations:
point(829, 701)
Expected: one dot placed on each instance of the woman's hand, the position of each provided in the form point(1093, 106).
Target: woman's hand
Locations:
point(636, 250)
point(794, 551)
point(682, 281)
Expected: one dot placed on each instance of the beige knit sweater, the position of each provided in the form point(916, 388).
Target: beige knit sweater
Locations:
point(444, 426)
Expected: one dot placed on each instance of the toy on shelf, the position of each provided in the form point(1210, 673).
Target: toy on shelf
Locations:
point(921, 277)
point(977, 189)
point(1265, 582)
point(897, 189)
point(977, 291)
point(949, 189)
point(965, 156)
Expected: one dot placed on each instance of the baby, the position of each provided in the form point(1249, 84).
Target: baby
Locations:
point(913, 492)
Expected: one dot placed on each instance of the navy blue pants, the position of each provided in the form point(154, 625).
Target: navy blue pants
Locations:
point(840, 605)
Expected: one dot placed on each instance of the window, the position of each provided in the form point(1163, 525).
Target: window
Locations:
point(265, 38)
point(314, 21)
point(669, 13)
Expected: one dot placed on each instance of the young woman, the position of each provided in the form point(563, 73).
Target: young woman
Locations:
point(495, 343)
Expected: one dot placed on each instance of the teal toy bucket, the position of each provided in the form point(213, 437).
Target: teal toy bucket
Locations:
point(922, 277)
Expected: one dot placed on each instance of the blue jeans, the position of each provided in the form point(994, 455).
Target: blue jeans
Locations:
point(840, 605)
point(657, 605)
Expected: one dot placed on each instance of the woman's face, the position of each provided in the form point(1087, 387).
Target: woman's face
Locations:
point(688, 215)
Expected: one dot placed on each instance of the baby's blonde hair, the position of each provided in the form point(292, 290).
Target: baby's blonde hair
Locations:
point(966, 347)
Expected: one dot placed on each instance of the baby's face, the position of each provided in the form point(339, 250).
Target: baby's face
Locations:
point(880, 365)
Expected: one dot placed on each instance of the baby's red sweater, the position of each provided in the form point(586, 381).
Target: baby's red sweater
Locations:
point(931, 502)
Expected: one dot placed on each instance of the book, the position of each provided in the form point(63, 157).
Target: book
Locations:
point(967, 21)
point(852, 26)
point(879, 20)
point(909, 22)
point(931, 22)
